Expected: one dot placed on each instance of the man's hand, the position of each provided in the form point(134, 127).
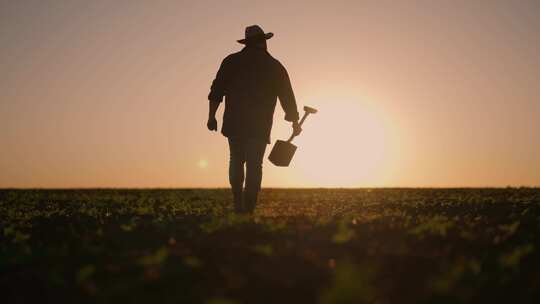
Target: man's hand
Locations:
point(297, 129)
point(212, 124)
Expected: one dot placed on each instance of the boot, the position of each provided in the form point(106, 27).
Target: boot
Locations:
point(250, 201)
point(239, 205)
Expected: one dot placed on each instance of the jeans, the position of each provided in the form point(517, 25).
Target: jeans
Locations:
point(250, 153)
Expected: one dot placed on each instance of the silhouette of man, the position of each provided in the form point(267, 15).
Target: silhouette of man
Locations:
point(251, 82)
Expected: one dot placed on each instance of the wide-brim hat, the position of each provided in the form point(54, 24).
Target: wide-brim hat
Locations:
point(255, 33)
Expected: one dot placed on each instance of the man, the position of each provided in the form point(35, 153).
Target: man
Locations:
point(251, 81)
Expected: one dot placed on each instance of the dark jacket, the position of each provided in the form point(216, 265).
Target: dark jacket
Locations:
point(251, 81)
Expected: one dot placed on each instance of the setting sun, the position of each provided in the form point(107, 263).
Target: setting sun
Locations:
point(344, 145)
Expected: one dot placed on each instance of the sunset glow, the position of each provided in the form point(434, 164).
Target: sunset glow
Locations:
point(114, 94)
point(346, 144)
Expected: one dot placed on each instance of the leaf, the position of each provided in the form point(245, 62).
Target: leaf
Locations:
point(512, 259)
point(192, 261)
point(85, 272)
point(351, 284)
point(344, 233)
point(265, 249)
point(156, 258)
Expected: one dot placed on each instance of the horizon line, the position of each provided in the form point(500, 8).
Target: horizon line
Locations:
point(270, 188)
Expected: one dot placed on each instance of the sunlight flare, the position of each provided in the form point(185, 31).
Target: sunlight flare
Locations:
point(345, 146)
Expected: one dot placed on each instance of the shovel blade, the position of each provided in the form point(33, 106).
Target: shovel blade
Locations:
point(282, 153)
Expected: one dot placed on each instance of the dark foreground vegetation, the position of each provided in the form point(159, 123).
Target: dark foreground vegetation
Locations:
point(301, 246)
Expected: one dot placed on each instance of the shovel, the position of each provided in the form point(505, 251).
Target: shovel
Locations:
point(283, 151)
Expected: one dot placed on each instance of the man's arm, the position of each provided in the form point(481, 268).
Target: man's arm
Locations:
point(288, 101)
point(217, 91)
point(212, 122)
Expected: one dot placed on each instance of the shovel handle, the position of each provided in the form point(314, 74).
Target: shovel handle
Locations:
point(300, 124)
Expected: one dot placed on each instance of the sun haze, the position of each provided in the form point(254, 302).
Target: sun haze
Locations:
point(409, 93)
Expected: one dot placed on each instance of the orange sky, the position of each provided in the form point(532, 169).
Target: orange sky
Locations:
point(410, 93)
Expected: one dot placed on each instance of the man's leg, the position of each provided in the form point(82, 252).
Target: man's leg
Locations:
point(254, 158)
point(236, 172)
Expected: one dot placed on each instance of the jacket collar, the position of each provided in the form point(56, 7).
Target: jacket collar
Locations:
point(253, 49)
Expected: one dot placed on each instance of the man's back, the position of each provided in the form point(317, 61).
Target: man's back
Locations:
point(251, 81)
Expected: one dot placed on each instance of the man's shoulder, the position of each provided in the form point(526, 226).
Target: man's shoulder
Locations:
point(278, 65)
point(231, 57)
point(275, 61)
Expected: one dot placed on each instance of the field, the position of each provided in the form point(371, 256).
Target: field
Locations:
point(301, 246)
